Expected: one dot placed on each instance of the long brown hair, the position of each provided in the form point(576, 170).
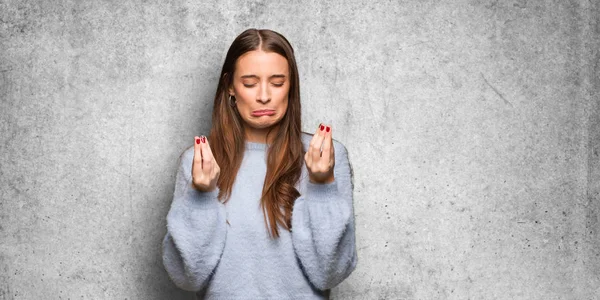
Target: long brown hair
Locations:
point(285, 154)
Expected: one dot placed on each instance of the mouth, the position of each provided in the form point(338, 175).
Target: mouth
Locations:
point(263, 112)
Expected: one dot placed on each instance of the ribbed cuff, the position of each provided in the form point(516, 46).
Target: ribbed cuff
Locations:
point(202, 200)
point(321, 192)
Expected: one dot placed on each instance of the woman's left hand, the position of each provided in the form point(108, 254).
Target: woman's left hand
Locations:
point(320, 163)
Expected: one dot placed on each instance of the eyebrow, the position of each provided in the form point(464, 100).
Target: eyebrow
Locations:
point(272, 76)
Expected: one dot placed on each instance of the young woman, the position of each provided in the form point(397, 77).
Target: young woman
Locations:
point(261, 210)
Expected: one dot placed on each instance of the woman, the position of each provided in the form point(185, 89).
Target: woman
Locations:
point(261, 210)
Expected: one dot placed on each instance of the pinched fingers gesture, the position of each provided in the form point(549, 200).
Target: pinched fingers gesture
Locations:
point(205, 170)
point(320, 157)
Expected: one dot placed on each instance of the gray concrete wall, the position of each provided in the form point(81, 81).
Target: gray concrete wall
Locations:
point(473, 128)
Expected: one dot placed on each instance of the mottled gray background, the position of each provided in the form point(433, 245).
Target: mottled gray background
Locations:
point(473, 128)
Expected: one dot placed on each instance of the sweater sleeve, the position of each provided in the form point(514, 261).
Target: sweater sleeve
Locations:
point(323, 227)
point(196, 232)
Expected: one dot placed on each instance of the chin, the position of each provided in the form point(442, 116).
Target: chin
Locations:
point(266, 123)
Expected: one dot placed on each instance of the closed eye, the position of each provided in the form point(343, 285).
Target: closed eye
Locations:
point(251, 85)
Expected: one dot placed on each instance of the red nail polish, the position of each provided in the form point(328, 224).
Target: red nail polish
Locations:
point(328, 128)
point(204, 139)
point(197, 141)
point(322, 127)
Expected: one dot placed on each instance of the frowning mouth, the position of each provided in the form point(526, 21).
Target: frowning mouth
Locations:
point(263, 112)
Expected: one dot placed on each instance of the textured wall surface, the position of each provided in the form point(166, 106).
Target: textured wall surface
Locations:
point(473, 128)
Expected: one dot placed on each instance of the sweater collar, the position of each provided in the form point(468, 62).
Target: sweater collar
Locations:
point(255, 146)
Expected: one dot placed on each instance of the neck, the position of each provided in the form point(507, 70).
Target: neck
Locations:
point(259, 135)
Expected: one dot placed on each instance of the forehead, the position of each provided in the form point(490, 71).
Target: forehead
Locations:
point(260, 63)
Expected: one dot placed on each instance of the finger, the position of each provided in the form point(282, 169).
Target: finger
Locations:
point(327, 144)
point(207, 157)
point(308, 160)
point(308, 154)
point(197, 160)
point(197, 151)
point(317, 142)
point(207, 151)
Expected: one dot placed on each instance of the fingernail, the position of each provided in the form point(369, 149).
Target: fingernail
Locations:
point(322, 127)
point(204, 139)
point(197, 140)
point(328, 128)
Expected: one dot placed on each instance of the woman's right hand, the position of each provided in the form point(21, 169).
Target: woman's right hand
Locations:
point(205, 170)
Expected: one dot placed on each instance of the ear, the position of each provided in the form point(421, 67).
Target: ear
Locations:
point(230, 88)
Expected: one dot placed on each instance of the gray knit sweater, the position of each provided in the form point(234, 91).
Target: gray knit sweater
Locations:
point(203, 253)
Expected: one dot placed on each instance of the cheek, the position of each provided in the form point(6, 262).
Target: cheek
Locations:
point(244, 98)
point(284, 96)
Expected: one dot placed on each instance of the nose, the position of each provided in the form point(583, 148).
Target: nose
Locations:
point(264, 94)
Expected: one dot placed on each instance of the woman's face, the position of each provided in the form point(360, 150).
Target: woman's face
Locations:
point(260, 86)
